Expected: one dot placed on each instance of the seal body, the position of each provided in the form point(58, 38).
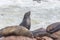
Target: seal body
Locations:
point(26, 20)
point(53, 27)
point(16, 31)
point(20, 30)
point(41, 32)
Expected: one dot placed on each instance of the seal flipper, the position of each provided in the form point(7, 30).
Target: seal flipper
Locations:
point(26, 20)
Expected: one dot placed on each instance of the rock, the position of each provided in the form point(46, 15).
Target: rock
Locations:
point(47, 38)
point(16, 38)
point(24, 38)
point(44, 38)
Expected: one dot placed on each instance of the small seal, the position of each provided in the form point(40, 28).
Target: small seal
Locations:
point(26, 20)
point(53, 28)
point(18, 30)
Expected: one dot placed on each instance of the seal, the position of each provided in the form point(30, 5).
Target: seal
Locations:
point(53, 28)
point(15, 31)
point(26, 20)
point(41, 32)
point(18, 30)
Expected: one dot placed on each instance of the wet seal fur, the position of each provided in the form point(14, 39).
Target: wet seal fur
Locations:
point(26, 20)
point(19, 30)
point(41, 32)
point(53, 27)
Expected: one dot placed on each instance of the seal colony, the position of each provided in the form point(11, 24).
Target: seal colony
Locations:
point(18, 30)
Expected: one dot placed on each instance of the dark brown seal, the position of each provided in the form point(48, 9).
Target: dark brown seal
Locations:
point(26, 20)
point(41, 32)
point(19, 30)
point(53, 27)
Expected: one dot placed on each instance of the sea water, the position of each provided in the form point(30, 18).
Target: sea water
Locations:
point(42, 14)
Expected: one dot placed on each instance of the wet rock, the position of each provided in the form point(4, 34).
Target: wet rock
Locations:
point(54, 29)
point(17, 38)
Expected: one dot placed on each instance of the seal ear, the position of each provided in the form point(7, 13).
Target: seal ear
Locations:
point(26, 20)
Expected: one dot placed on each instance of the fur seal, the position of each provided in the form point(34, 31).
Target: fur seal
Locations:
point(18, 30)
point(26, 20)
point(15, 31)
point(53, 28)
point(41, 32)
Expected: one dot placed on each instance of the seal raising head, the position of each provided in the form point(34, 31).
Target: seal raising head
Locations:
point(26, 20)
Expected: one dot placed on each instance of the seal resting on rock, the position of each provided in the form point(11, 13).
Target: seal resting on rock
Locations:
point(41, 32)
point(53, 27)
point(26, 20)
point(15, 30)
point(18, 30)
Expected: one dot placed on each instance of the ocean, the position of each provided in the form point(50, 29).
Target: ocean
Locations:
point(42, 14)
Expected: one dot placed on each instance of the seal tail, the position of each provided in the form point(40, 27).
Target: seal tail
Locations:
point(26, 20)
